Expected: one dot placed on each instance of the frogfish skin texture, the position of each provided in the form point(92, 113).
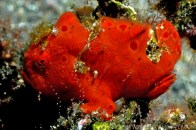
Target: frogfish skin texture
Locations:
point(125, 59)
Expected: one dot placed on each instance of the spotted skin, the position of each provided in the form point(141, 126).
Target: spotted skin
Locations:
point(113, 65)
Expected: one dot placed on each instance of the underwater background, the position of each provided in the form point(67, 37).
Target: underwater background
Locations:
point(22, 107)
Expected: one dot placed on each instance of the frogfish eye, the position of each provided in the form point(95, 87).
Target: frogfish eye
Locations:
point(39, 66)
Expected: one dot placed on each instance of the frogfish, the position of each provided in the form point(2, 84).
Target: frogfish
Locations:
point(122, 58)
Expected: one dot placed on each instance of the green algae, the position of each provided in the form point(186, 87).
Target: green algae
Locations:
point(40, 32)
point(191, 104)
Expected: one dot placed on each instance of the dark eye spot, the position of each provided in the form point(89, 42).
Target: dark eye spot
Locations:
point(166, 34)
point(109, 23)
point(123, 27)
point(64, 28)
point(110, 107)
point(63, 58)
point(133, 45)
point(101, 52)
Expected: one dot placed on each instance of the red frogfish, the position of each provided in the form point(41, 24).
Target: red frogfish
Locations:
point(125, 58)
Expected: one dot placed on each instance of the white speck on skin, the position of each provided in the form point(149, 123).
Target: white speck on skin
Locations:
point(95, 73)
point(54, 31)
point(151, 31)
point(162, 27)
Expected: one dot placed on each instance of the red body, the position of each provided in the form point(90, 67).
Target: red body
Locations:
point(116, 59)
